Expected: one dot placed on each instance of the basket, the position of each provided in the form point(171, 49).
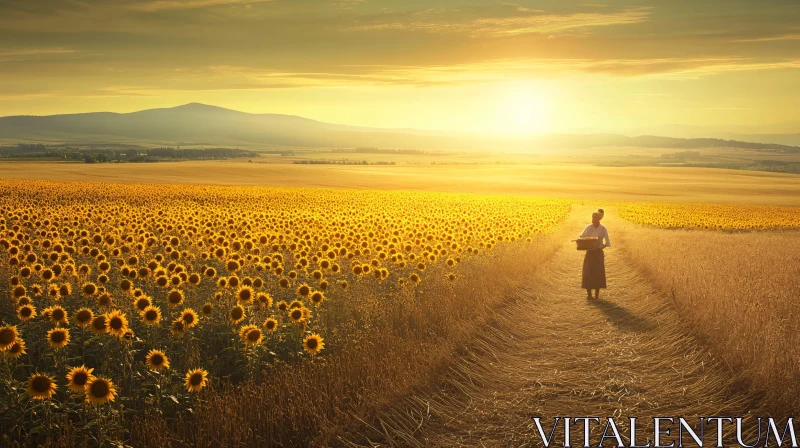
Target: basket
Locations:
point(588, 243)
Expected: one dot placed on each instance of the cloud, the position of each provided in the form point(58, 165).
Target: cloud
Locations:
point(795, 36)
point(524, 23)
point(160, 5)
point(36, 51)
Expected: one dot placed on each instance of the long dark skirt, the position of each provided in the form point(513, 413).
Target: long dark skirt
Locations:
point(594, 270)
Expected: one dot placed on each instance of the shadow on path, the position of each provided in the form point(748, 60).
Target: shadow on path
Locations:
point(620, 317)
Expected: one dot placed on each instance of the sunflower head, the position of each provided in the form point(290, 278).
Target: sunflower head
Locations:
point(142, 303)
point(271, 325)
point(8, 336)
point(26, 312)
point(237, 314)
point(303, 290)
point(58, 338)
point(78, 377)
point(244, 295)
point(264, 299)
point(208, 309)
point(99, 391)
point(83, 317)
point(104, 300)
point(313, 344)
point(196, 380)
point(89, 289)
point(157, 360)
point(41, 386)
point(99, 324)
point(296, 315)
point(189, 318)
point(178, 328)
point(58, 315)
point(175, 297)
point(117, 323)
point(317, 298)
point(15, 350)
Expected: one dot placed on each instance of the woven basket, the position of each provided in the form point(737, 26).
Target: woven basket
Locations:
point(588, 243)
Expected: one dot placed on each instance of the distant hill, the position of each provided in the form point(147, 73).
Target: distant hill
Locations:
point(200, 124)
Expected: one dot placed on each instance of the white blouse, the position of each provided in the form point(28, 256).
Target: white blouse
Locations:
point(600, 232)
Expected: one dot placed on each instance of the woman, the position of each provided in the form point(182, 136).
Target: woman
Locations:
point(594, 269)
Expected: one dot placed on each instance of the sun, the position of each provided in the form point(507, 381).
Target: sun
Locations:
point(524, 113)
point(520, 108)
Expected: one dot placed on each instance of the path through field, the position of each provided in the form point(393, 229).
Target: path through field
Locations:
point(555, 353)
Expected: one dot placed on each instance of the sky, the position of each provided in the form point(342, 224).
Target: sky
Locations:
point(470, 65)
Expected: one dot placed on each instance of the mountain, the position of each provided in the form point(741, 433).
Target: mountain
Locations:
point(787, 133)
point(200, 124)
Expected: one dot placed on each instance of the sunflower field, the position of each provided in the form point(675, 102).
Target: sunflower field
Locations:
point(711, 216)
point(123, 298)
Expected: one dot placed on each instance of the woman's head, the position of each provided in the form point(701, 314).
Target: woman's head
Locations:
point(597, 216)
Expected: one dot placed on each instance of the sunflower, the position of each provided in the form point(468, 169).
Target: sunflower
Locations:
point(41, 386)
point(58, 315)
point(15, 350)
point(8, 336)
point(313, 343)
point(142, 303)
point(175, 298)
point(58, 338)
point(296, 304)
point(247, 329)
point(296, 314)
point(26, 312)
point(151, 315)
point(100, 390)
point(189, 318)
point(104, 301)
point(283, 282)
point(88, 289)
point(178, 327)
point(64, 290)
point(237, 314)
point(317, 298)
point(283, 306)
point(52, 292)
point(117, 323)
point(99, 324)
point(78, 377)
point(264, 299)
point(157, 360)
point(207, 309)
point(196, 380)
point(303, 290)
point(244, 295)
point(83, 317)
point(271, 325)
point(18, 291)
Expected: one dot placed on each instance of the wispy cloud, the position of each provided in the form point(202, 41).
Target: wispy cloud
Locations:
point(524, 23)
point(160, 5)
point(793, 36)
point(36, 51)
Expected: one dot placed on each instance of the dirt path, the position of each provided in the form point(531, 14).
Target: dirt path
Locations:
point(554, 353)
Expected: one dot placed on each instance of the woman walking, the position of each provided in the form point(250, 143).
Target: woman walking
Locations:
point(594, 268)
